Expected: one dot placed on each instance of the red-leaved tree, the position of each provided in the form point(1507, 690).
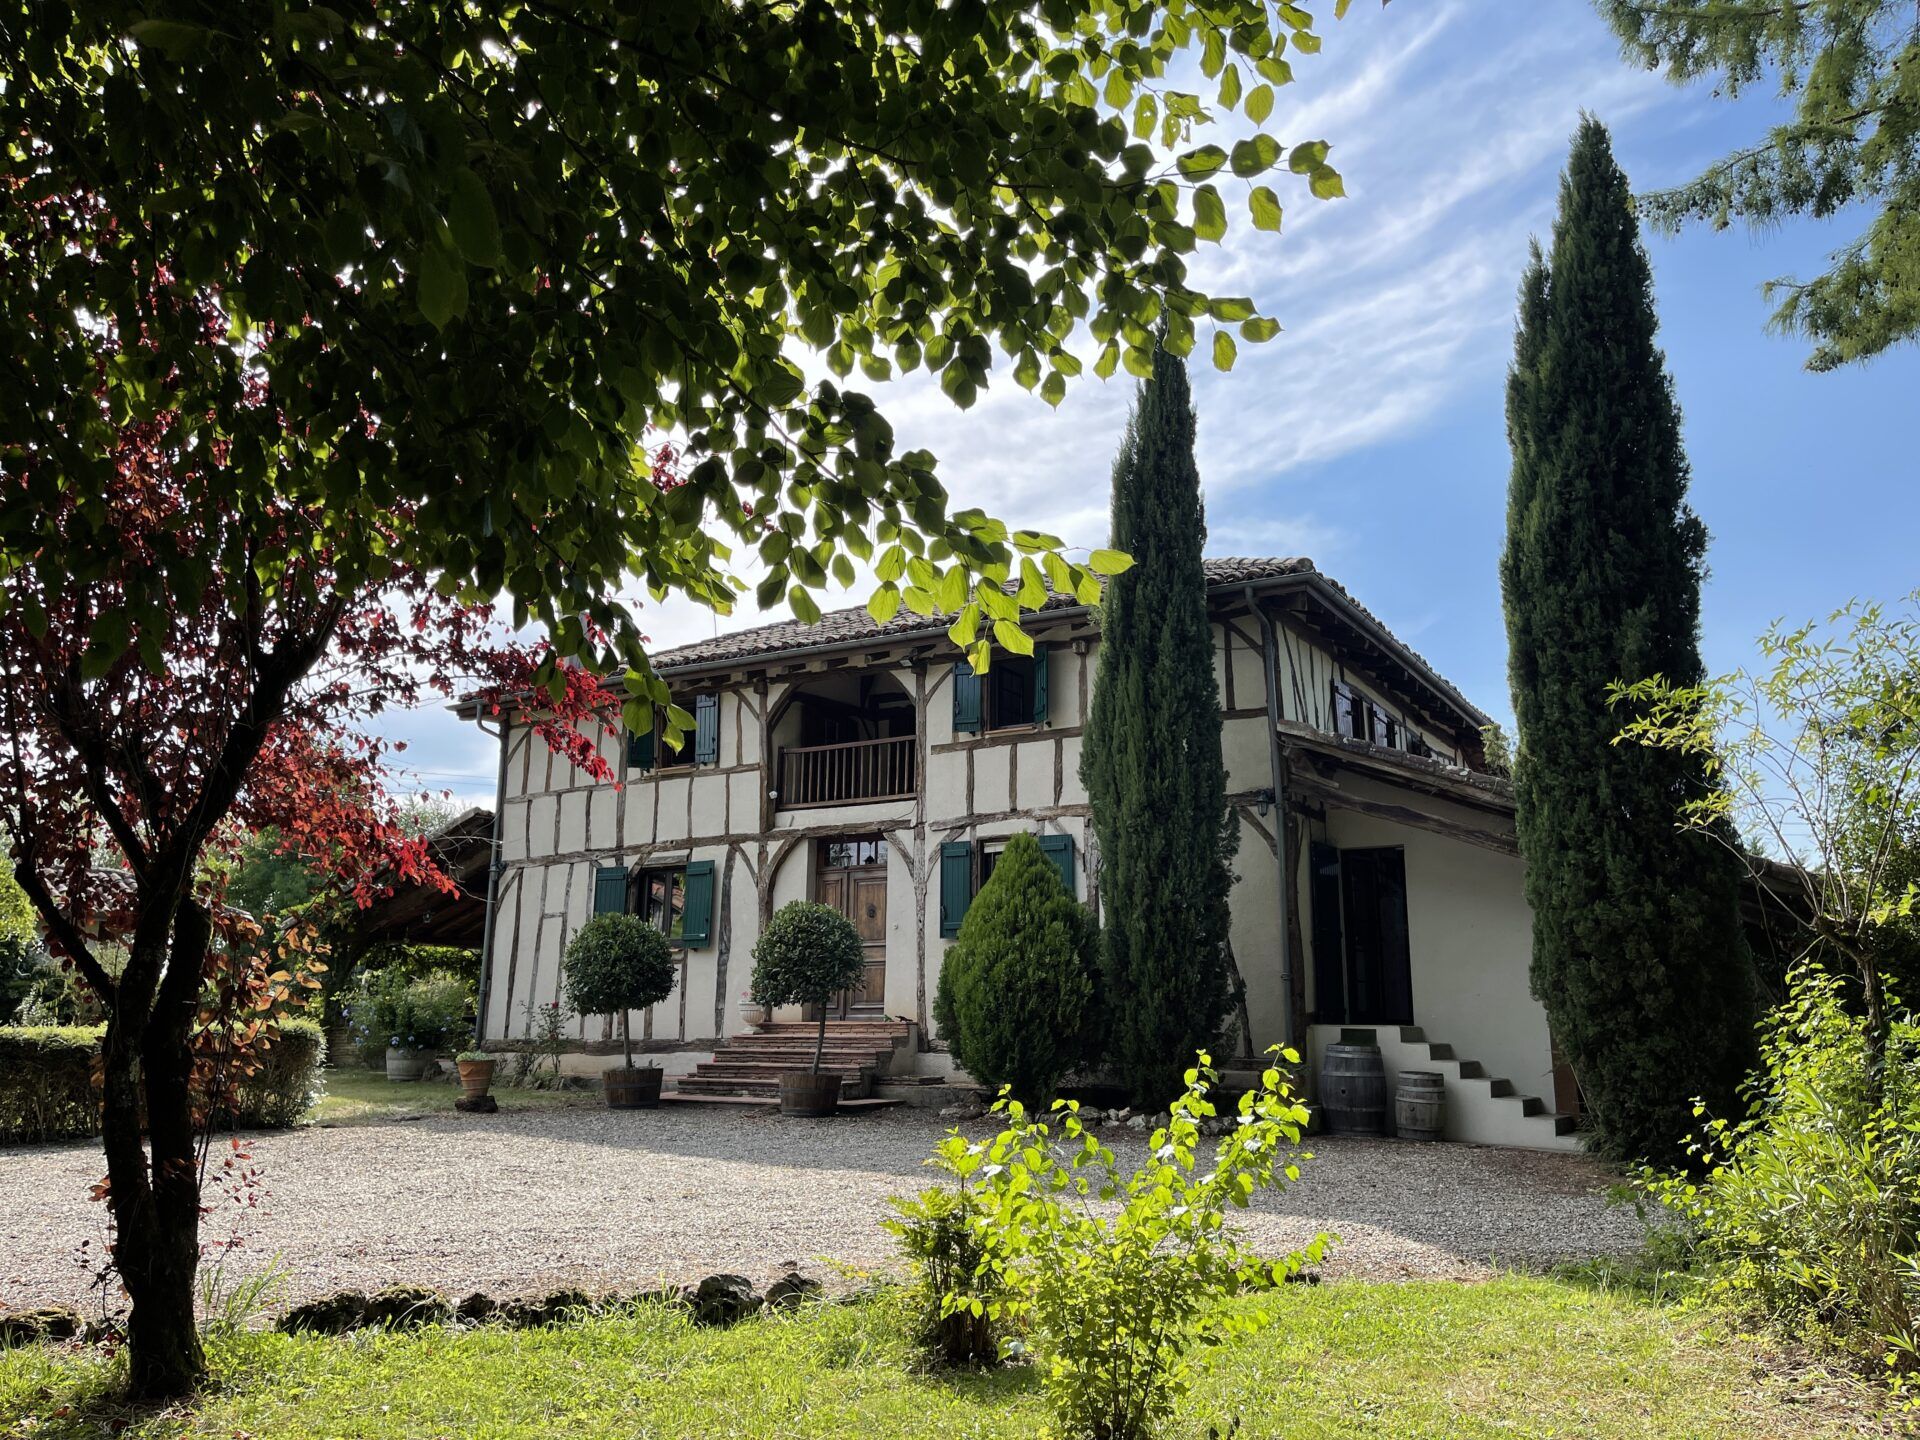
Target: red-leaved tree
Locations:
point(137, 741)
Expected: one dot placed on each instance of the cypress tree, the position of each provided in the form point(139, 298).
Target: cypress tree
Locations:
point(1151, 761)
point(1637, 949)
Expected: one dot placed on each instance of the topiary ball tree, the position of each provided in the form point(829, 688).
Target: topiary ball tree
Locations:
point(1016, 990)
point(615, 964)
point(808, 953)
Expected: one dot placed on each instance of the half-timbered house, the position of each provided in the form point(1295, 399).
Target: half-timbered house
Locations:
point(1378, 884)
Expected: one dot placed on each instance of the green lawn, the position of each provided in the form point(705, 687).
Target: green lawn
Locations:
point(356, 1096)
point(1517, 1357)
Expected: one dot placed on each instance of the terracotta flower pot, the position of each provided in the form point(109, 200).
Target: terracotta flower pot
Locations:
point(476, 1077)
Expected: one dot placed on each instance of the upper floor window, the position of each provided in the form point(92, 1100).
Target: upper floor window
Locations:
point(1012, 694)
point(702, 747)
point(1356, 716)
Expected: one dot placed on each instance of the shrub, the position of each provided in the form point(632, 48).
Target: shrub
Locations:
point(48, 1089)
point(1016, 989)
point(808, 953)
point(1808, 1212)
point(289, 1080)
point(617, 964)
point(47, 1085)
point(937, 1230)
point(388, 1008)
point(1116, 1300)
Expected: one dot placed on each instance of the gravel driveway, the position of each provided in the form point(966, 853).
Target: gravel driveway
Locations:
point(516, 1202)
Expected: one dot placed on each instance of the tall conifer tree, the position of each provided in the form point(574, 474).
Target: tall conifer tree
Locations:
point(1151, 760)
point(1637, 949)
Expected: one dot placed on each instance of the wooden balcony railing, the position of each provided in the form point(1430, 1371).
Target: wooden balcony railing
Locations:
point(849, 774)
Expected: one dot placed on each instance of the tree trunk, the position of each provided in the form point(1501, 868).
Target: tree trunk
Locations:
point(626, 1040)
point(155, 1193)
point(156, 1211)
point(820, 1038)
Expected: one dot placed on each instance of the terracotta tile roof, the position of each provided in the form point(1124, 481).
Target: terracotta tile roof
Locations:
point(852, 626)
point(847, 626)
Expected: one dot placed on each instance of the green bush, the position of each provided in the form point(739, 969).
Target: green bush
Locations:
point(290, 1081)
point(47, 1085)
point(389, 1008)
point(1016, 988)
point(1809, 1210)
point(808, 953)
point(616, 964)
point(48, 1089)
point(937, 1231)
point(1120, 1301)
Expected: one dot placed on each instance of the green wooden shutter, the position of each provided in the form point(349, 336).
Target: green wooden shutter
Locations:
point(1329, 940)
point(610, 890)
point(706, 730)
point(697, 926)
point(1040, 686)
point(1059, 849)
point(640, 751)
point(966, 699)
point(956, 885)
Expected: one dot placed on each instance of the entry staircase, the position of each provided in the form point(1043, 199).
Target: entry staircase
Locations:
point(857, 1051)
point(1482, 1109)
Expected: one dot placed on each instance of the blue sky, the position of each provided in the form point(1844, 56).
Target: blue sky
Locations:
point(1370, 434)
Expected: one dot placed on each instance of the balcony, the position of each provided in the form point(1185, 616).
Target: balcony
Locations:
point(855, 772)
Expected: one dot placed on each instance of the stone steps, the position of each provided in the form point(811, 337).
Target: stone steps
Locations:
point(752, 1064)
point(1481, 1108)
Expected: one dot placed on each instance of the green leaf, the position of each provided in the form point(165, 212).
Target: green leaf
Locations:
point(1260, 328)
point(1224, 350)
point(1308, 157)
point(175, 39)
point(952, 590)
point(1259, 104)
point(965, 626)
point(1326, 184)
point(1255, 155)
point(1109, 562)
point(884, 604)
point(1011, 637)
point(805, 608)
point(476, 229)
point(1209, 213)
point(1202, 162)
point(442, 287)
point(1230, 308)
point(1265, 206)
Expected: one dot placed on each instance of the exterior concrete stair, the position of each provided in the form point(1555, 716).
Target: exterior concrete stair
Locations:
point(751, 1064)
point(1482, 1109)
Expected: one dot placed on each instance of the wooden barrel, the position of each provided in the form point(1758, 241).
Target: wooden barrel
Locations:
point(1420, 1105)
point(804, 1093)
point(635, 1089)
point(404, 1064)
point(1353, 1090)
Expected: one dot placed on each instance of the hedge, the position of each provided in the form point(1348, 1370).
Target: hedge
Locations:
point(48, 1089)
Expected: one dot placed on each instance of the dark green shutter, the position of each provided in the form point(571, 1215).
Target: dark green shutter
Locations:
point(1329, 940)
point(1059, 849)
point(706, 730)
point(609, 890)
point(1040, 686)
point(697, 927)
point(966, 699)
point(956, 885)
point(640, 751)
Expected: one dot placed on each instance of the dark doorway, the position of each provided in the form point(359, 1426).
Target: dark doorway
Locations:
point(1362, 967)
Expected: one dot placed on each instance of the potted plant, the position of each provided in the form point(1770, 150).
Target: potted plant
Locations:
point(808, 954)
point(615, 964)
point(476, 1073)
point(752, 1013)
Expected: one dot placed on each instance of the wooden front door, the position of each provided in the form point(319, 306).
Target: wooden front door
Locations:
point(852, 877)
